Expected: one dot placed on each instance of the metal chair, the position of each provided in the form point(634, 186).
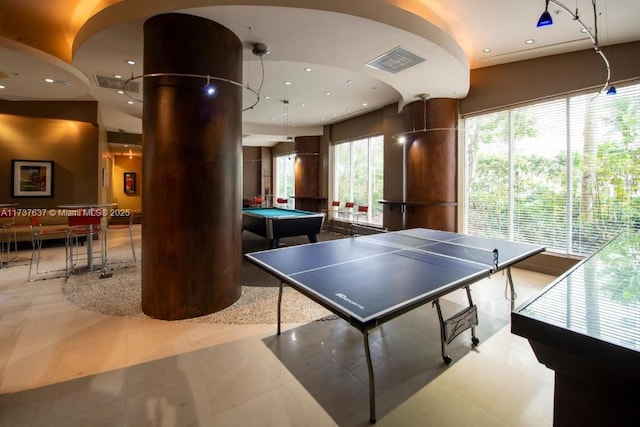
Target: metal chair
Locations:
point(257, 202)
point(85, 226)
point(362, 211)
point(134, 217)
point(8, 235)
point(38, 233)
point(335, 207)
point(347, 212)
point(7, 220)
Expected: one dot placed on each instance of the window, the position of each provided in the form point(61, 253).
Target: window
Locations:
point(358, 174)
point(284, 175)
point(562, 173)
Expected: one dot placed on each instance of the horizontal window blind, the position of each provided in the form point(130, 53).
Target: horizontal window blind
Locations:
point(562, 173)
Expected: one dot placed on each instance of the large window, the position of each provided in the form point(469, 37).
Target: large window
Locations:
point(563, 173)
point(358, 174)
point(285, 179)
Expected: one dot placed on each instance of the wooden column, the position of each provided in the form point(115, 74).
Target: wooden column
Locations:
point(192, 166)
point(432, 164)
point(307, 173)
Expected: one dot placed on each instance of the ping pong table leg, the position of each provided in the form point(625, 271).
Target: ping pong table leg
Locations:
point(443, 333)
point(279, 306)
point(372, 386)
point(509, 284)
point(474, 340)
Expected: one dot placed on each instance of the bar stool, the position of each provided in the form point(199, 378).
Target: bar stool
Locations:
point(85, 225)
point(331, 213)
point(38, 232)
point(281, 202)
point(362, 211)
point(257, 202)
point(348, 210)
point(134, 216)
point(7, 220)
point(8, 234)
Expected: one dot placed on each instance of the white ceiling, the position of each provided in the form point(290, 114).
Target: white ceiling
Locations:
point(335, 43)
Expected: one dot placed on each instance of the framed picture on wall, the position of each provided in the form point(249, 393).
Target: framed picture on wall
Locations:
point(32, 178)
point(129, 183)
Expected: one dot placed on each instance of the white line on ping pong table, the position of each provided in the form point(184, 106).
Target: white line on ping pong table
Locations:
point(406, 248)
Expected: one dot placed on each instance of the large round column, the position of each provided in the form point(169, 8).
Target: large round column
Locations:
point(192, 160)
point(431, 174)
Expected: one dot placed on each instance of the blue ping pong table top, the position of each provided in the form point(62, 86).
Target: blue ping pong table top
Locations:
point(370, 279)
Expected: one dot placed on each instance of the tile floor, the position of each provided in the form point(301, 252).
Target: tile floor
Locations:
point(62, 365)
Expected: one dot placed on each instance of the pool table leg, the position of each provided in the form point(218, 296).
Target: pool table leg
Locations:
point(313, 238)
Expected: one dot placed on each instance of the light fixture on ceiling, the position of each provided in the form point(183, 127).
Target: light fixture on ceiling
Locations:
point(259, 49)
point(285, 120)
point(545, 19)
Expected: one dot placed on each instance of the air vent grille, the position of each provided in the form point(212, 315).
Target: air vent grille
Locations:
point(117, 84)
point(396, 60)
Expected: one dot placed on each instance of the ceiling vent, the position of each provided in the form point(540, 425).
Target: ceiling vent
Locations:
point(396, 60)
point(117, 84)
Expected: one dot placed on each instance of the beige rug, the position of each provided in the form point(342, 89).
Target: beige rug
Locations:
point(119, 295)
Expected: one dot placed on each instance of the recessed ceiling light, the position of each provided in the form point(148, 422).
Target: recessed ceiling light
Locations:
point(364, 104)
point(302, 105)
point(349, 82)
point(348, 110)
point(48, 80)
point(117, 76)
point(130, 102)
point(131, 62)
point(267, 97)
point(2, 87)
point(121, 92)
point(327, 93)
point(307, 69)
point(530, 41)
point(486, 50)
point(287, 83)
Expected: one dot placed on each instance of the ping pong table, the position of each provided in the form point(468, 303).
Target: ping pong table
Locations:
point(369, 280)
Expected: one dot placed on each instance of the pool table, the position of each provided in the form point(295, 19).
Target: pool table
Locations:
point(275, 223)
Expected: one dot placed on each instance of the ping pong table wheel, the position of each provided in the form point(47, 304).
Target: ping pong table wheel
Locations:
point(475, 341)
point(447, 359)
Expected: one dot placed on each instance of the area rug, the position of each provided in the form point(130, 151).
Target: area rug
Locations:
point(119, 295)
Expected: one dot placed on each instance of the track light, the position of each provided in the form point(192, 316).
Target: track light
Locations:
point(209, 89)
point(545, 18)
